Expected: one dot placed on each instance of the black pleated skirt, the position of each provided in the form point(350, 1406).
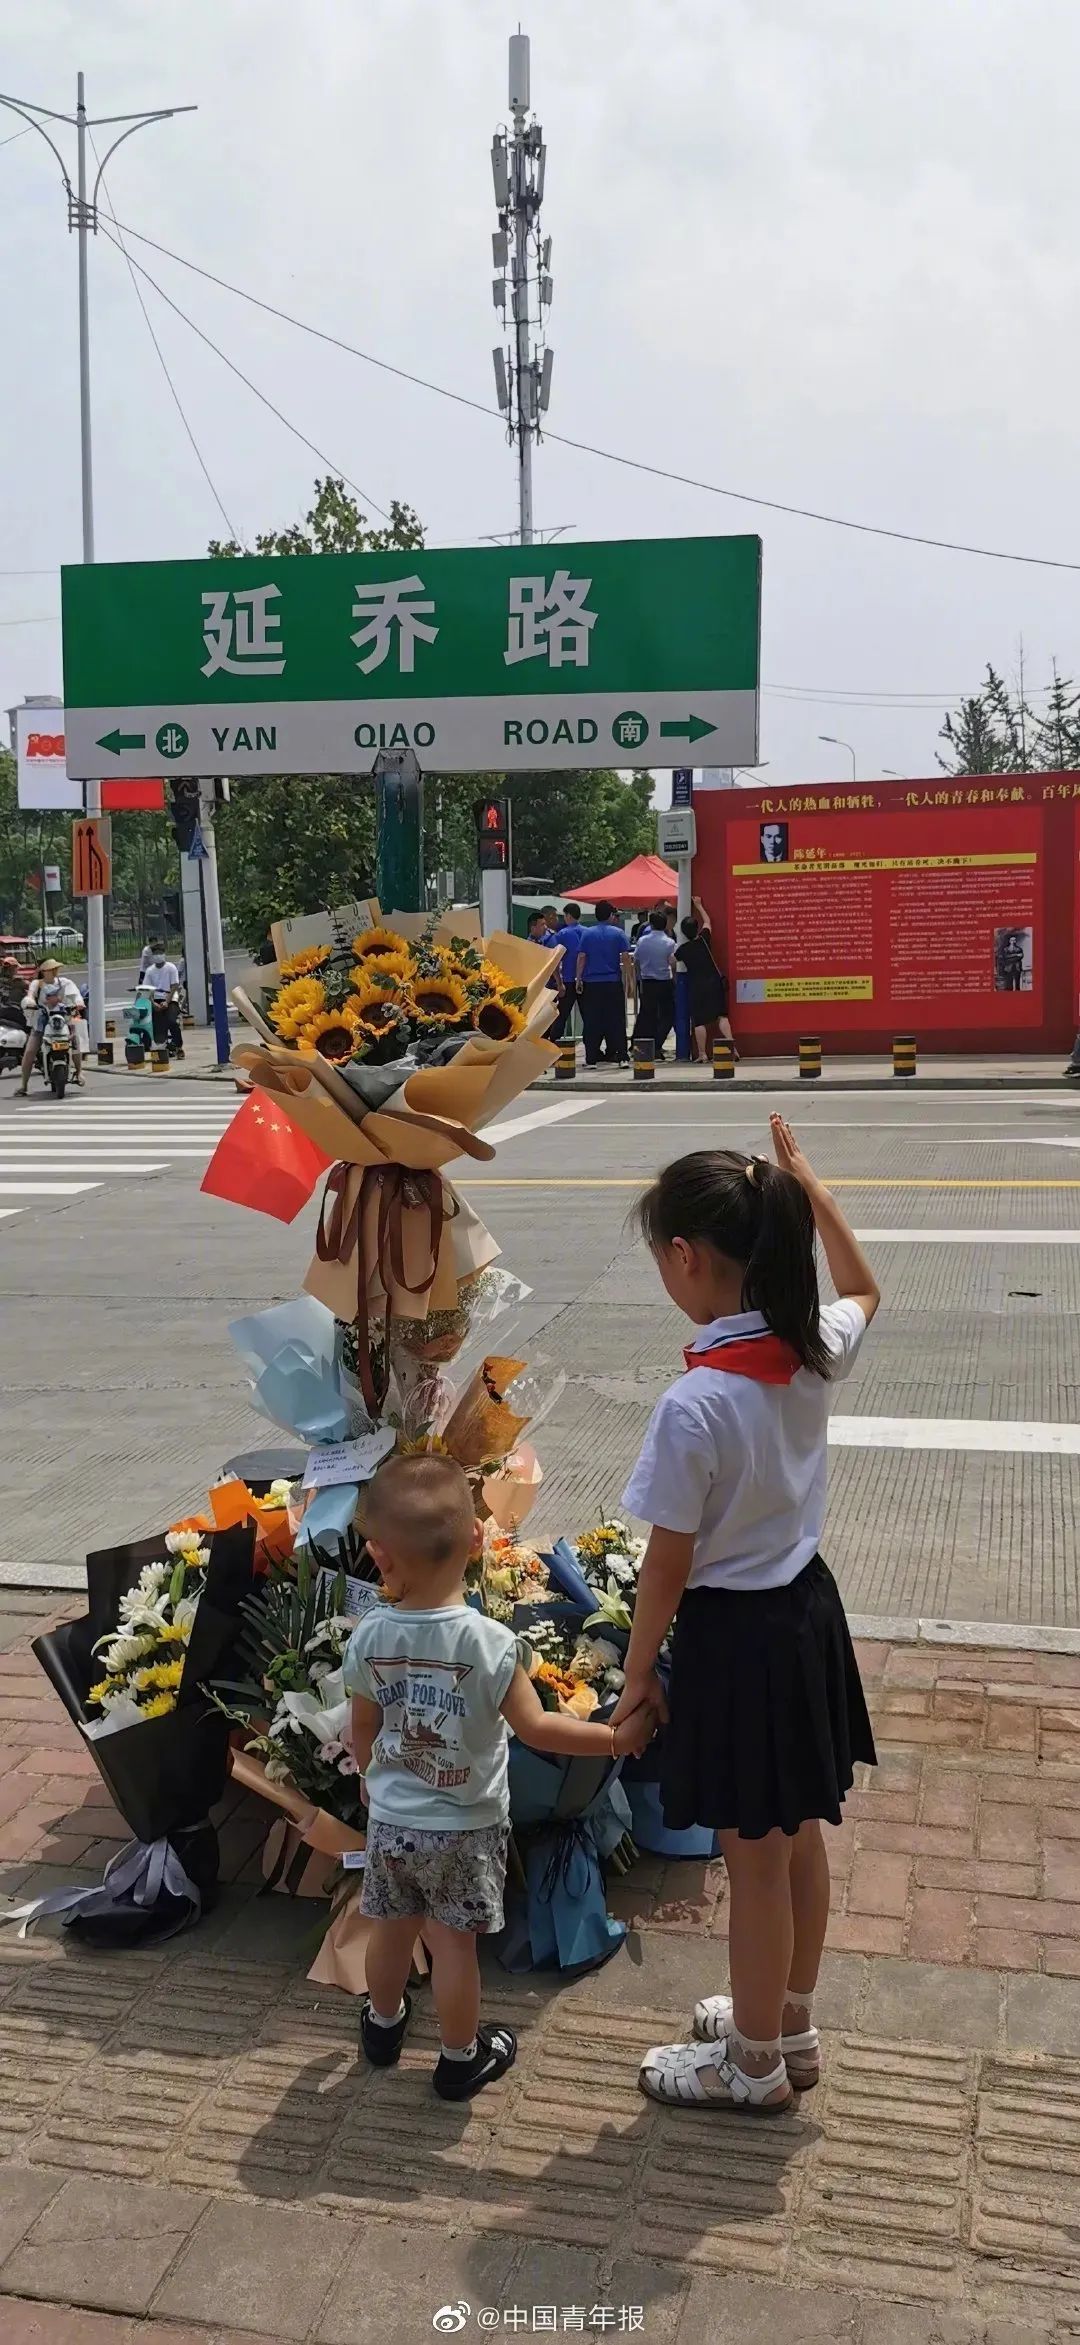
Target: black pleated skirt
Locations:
point(768, 1714)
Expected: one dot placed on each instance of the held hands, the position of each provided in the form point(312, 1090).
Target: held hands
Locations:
point(633, 1734)
point(641, 1693)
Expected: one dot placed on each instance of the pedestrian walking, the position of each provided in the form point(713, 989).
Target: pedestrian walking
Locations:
point(604, 965)
point(654, 954)
point(767, 1715)
point(708, 984)
point(435, 1685)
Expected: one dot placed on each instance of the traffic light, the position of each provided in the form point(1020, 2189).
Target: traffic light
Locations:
point(184, 809)
point(492, 817)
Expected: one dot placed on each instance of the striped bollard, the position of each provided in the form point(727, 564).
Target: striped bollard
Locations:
point(110, 1028)
point(904, 1055)
point(644, 1051)
point(723, 1060)
point(809, 1058)
point(159, 1058)
point(566, 1063)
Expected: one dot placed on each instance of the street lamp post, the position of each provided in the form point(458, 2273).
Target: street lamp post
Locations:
point(82, 217)
point(835, 744)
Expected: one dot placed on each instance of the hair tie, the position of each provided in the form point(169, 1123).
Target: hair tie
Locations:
point(751, 1173)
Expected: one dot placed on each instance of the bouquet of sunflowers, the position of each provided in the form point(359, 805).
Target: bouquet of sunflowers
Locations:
point(383, 995)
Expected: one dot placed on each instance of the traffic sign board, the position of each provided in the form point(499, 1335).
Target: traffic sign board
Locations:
point(481, 661)
point(91, 856)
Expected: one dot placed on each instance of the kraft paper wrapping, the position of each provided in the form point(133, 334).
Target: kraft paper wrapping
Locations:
point(465, 1247)
point(340, 1961)
point(342, 1958)
point(512, 1493)
point(481, 1427)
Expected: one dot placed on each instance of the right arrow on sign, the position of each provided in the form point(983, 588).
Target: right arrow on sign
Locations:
point(118, 741)
point(685, 729)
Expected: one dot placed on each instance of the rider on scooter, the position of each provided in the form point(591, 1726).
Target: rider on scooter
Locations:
point(50, 990)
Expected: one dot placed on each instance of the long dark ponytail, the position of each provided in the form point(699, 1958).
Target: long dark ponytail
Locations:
point(758, 1216)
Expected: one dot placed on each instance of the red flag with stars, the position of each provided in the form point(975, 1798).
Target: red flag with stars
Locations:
point(264, 1160)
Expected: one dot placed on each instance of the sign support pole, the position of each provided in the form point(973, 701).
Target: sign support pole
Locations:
point(399, 830)
point(215, 943)
point(95, 905)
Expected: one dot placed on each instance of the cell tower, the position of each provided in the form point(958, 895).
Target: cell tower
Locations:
point(522, 259)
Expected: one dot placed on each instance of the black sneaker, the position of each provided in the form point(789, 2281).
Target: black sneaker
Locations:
point(382, 2045)
point(458, 2080)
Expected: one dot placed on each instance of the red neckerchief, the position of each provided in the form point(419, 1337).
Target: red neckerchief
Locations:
point(765, 1357)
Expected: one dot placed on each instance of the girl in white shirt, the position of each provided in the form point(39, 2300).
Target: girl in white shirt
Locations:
point(767, 1714)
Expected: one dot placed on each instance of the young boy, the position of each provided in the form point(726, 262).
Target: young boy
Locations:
point(435, 1685)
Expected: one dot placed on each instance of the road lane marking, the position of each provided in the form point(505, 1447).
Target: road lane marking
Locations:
point(968, 1237)
point(86, 1164)
point(964, 1433)
point(519, 1125)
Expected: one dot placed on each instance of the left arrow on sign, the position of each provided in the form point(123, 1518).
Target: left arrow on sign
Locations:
point(117, 741)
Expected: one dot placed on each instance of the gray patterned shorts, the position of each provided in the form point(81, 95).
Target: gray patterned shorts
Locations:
point(453, 1877)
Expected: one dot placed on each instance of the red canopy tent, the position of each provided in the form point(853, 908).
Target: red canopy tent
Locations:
point(639, 885)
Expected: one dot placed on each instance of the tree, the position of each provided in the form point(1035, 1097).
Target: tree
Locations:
point(573, 827)
point(1056, 744)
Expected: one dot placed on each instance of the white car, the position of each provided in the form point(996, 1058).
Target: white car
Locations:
point(65, 937)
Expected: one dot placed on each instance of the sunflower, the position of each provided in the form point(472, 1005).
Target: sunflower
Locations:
point(497, 1019)
point(374, 1004)
point(381, 969)
point(440, 1001)
point(295, 1004)
point(333, 1033)
point(302, 964)
point(378, 940)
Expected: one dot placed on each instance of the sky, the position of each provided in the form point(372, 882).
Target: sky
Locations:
point(825, 256)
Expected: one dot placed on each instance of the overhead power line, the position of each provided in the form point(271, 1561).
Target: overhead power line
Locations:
point(708, 488)
point(161, 358)
point(336, 469)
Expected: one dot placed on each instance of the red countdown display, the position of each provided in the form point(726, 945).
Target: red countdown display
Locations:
point(947, 909)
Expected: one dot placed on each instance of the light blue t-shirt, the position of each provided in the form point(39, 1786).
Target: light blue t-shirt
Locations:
point(440, 1678)
point(654, 953)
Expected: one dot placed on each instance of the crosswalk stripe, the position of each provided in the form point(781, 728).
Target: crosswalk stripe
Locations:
point(86, 1164)
point(46, 1188)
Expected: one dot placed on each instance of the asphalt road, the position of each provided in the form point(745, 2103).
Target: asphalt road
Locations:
point(956, 1461)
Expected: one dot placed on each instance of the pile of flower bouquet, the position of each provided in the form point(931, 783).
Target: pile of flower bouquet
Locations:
point(375, 999)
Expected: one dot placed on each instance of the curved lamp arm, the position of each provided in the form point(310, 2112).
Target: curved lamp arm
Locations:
point(14, 108)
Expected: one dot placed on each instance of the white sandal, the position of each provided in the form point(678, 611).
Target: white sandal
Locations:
point(713, 2018)
point(698, 2076)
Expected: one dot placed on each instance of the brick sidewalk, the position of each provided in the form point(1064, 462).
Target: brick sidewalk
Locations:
point(193, 2154)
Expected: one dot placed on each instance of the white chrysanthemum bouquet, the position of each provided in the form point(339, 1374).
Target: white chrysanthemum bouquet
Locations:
point(142, 1659)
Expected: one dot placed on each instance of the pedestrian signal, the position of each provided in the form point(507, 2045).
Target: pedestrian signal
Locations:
point(492, 833)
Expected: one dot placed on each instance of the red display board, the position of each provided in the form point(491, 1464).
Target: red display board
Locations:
point(943, 909)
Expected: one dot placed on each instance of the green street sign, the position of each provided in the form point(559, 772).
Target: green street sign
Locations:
point(482, 661)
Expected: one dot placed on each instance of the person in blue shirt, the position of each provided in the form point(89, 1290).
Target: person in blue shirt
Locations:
point(603, 965)
point(569, 937)
point(654, 955)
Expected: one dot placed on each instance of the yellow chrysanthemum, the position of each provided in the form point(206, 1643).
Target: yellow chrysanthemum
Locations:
point(302, 964)
point(105, 1685)
point(378, 940)
point(296, 1003)
point(159, 1706)
point(332, 1033)
point(497, 1018)
point(440, 1001)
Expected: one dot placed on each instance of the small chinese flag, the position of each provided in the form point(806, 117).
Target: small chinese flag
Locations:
point(264, 1160)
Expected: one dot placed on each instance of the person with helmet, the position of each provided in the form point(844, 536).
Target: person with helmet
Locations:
point(50, 990)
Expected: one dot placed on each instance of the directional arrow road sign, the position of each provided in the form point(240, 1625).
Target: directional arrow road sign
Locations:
point(117, 742)
point(685, 729)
